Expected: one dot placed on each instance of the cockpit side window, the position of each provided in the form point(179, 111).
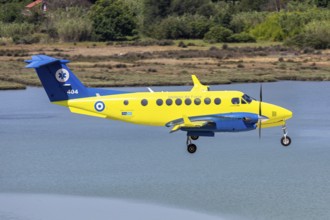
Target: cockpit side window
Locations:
point(246, 98)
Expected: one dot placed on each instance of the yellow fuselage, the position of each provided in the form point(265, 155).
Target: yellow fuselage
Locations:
point(159, 108)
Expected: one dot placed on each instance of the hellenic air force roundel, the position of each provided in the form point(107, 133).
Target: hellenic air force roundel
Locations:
point(99, 106)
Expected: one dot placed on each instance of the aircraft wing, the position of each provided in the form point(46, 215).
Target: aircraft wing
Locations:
point(189, 124)
point(213, 122)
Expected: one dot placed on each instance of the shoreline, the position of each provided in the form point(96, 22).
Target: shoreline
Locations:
point(24, 87)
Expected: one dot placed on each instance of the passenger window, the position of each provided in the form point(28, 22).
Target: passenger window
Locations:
point(197, 101)
point(187, 101)
point(217, 101)
point(178, 101)
point(207, 101)
point(159, 102)
point(125, 102)
point(169, 102)
point(235, 101)
point(243, 101)
point(144, 102)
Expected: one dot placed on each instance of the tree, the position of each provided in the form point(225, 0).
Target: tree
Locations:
point(154, 11)
point(55, 4)
point(181, 7)
point(323, 3)
point(11, 12)
point(252, 5)
point(112, 20)
point(218, 34)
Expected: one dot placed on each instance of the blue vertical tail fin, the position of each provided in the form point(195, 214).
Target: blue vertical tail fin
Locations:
point(58, 80)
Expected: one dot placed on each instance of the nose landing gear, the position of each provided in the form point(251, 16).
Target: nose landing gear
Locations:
point(285, 140)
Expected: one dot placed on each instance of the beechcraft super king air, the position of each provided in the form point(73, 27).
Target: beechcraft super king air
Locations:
point(198, 112)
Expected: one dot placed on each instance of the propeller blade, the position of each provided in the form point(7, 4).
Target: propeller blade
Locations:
point(260, 111)
point(261, 92)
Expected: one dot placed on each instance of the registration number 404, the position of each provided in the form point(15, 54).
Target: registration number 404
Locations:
point(72, 91)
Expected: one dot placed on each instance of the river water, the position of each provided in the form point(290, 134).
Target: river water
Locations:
point(47, 151)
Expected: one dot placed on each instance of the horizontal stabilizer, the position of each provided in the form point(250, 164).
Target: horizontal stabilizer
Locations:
point(42, 60)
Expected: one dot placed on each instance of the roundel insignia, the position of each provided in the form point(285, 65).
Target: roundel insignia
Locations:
point(62, 75)
point(99, 106)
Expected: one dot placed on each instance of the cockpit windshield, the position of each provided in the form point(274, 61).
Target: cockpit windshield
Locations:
point(247, 98)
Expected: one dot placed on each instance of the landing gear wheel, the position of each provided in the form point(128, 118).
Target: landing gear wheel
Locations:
point(286, 141)
point(194, 137)
point(191, 148)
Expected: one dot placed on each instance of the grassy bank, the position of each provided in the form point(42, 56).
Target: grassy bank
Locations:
point(108, 65)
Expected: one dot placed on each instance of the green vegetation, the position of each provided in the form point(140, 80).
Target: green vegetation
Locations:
point(218, 34)
point(289, 21)
point(112, 20)
point(183, 27)
point(315, 34)
point(71, 25)
point(112, 41)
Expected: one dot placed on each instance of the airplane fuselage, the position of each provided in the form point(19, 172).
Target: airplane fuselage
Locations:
point(161, 108)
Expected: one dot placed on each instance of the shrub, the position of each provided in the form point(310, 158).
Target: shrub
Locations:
point(186, 26)
point(279, 26)
point(182, 44)
point(316, 35)
point(270, 29)
point(244, 21)
point(242, 38)
point(171, 28)
point(28, 39)
point(71, 30)
point(148, 42)
point(70, 25)
point(16, 29)
point(218, 34)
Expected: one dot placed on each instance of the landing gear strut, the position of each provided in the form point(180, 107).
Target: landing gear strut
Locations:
point(285, 140)
point(191, 148)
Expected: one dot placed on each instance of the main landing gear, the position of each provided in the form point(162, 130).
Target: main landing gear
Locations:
point(191, 148)
point(285, 140)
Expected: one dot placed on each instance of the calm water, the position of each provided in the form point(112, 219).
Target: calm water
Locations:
point(46, 149)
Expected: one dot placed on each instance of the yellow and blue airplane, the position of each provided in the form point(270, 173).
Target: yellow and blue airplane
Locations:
point(199, 112)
